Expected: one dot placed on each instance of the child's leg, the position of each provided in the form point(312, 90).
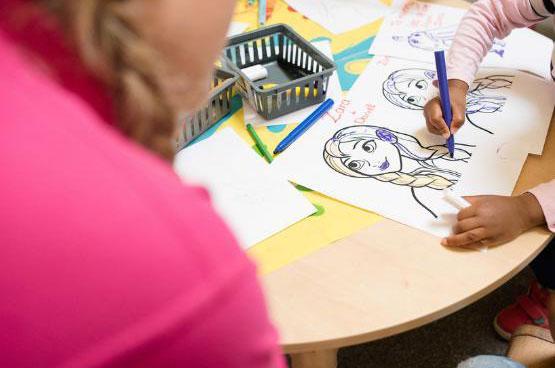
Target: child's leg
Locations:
point(544, 266)
point(544, 269)
point(532, 308)
point(490, 361)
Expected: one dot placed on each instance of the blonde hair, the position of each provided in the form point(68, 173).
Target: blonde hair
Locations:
point(428, 175)
point(112, 48)
point(429, 180)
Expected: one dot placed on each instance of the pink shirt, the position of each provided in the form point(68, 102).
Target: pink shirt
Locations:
point(107, 259)
point(486, 20)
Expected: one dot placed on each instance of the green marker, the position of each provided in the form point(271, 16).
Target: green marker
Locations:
point(261, 146)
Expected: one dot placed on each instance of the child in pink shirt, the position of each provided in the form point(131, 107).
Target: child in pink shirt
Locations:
point(107, 259)
point(495, 220)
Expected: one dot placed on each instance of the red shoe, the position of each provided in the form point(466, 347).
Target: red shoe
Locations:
point(529, 309)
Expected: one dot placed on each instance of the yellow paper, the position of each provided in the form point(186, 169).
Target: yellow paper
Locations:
point(334, 220)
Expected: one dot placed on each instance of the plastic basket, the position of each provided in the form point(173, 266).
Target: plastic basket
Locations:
point(298, 73)
point(219, 105)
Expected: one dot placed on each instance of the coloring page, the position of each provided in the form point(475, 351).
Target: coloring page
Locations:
point(498, 105)
point(379, 169)
point(418, 29)
point(373, 151)
point(507, 162)
point(339, 16)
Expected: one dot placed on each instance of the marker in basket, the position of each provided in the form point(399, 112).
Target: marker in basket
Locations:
point(444, 97)
point(261, 11)
point(259, 144)
point(303, 127)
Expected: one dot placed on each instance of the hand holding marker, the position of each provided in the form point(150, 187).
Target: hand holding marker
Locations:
point(460, 203)
point(444, 97)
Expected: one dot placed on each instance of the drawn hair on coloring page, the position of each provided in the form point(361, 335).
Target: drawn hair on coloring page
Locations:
point(479, 101)
point(367, 151)
point(408, 89)
point(441, 39)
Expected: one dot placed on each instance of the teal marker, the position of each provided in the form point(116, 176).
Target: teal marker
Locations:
point(261, 12)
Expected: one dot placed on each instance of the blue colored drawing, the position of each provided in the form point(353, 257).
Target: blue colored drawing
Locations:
point(441, 39)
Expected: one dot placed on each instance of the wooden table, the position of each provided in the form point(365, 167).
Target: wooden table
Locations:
point(390, 278)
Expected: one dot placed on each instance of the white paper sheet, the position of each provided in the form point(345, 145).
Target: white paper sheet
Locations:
point(420, 28)
point(499, 106)
point(236, 28)
point(498, 171)
point(368, 153)
point(530, 105)
point(253, 200)
point(339, 16)
point(394, 198)
point(334, 92)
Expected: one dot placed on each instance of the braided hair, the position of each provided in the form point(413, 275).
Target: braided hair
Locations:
point(428, 175)
point(115, 51)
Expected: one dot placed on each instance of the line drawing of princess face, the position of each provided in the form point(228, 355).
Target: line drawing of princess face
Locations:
point(408, 89)
point(368, 151)
point(441, 38)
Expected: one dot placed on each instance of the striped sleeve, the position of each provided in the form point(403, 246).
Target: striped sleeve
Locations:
point(542, 8)
point(485, 21)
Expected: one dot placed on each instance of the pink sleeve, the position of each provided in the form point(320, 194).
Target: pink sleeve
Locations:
point(545, 193)
point(486, 20)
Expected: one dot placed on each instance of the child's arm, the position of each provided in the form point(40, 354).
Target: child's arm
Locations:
point(486, 20)
point(545, 193)
point(494, 220)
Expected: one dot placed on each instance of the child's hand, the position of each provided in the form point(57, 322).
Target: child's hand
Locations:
point(494, 220)
point(434, 116)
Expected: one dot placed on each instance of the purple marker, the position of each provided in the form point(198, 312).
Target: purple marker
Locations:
point(444, 97)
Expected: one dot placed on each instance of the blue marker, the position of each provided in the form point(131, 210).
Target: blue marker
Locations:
point(261, 11)
point(444, 97)
point(303, 127)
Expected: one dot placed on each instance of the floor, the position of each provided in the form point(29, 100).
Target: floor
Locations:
point(443, 343)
